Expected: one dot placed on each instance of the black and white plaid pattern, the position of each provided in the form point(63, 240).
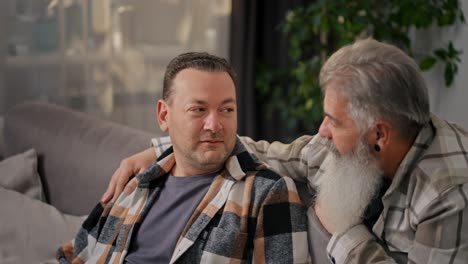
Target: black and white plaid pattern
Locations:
point(249, 214)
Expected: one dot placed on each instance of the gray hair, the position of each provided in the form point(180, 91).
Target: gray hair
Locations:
point(379, 81)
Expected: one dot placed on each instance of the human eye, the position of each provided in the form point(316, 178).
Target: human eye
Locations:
point(197, 109)
point(332, 121)
point(227, 110)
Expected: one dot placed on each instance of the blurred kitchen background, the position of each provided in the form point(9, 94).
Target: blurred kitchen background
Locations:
point(105, 57)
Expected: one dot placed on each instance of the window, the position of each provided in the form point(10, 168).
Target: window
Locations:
point(105, 57)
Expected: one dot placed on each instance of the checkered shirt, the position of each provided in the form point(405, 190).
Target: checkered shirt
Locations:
point(249, 215)
point(425, 215)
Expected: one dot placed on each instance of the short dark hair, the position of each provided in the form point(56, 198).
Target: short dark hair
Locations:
point(194, 60)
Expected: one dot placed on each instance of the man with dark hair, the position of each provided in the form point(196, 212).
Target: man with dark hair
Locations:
point(390, 178)
point(205, 199)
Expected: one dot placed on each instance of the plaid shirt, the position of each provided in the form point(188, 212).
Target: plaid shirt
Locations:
point(249, 214)
point(425, 215)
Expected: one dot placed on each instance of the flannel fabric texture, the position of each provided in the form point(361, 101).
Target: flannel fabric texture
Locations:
point(249, 214)
point(425, 215)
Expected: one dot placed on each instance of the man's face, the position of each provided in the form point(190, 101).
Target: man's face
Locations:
point(201, 118)
point(354, 175)
point(337, 125)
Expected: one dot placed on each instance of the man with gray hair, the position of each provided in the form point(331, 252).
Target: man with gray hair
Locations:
point(390, 178)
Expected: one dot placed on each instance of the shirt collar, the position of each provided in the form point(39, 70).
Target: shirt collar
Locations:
point(421, 144)
point(239, 162)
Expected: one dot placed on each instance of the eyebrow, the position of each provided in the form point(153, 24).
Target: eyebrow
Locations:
point(230, 100)
point(336, 120)
point(226, 101)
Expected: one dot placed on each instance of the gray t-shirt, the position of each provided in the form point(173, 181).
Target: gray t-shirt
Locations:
point(157, 236)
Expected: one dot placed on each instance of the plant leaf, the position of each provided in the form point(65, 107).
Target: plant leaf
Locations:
point(449, 73)
point(441, 54)
point(427, 63)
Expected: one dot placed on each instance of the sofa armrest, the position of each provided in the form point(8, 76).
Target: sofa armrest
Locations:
point(77, 152)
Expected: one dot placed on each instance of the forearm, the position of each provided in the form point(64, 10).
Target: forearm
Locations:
point(297, 160)
point(357, 245)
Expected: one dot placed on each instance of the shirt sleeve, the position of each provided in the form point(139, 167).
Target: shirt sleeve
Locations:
point(74, 250)
point(439, 229)
point(161, 144)
point(356, 245)
point(300, 159)
point(281, 235)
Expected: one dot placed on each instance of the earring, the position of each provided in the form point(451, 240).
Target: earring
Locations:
point(377, 147)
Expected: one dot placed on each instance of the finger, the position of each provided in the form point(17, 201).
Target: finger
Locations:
point(110, 188)
point(118, 187)
point(125, 173)
point(142, 169)
point(131, 186)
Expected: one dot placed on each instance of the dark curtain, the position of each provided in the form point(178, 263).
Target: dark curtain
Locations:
point(3, 40)
point(242, 55)
point(255, 38)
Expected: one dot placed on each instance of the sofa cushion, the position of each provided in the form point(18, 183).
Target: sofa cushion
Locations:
point(77, 153)
point(32, 230)
point(19, 173)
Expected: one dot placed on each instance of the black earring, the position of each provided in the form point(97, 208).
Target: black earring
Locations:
point(377, 147)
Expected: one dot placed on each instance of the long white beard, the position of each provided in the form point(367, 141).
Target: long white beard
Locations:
point(348, 186)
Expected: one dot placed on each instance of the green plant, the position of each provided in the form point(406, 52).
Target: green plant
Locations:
point(316, 30)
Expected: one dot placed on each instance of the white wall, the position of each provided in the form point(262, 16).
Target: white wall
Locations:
point(451, 102)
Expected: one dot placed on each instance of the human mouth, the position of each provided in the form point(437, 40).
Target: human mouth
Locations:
point(211, 142)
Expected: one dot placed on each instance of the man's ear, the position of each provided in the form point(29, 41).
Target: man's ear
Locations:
point(163, 113)
point(382, 134)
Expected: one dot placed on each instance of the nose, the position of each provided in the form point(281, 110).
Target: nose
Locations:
point(212, 123)
point(324, 130)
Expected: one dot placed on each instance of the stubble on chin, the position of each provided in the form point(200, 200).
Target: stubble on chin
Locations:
point(209, 157)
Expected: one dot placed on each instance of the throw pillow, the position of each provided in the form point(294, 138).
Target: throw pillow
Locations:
point(19, 173)
point(31, 230)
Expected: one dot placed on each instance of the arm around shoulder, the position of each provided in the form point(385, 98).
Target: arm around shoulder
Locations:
point(293, 160)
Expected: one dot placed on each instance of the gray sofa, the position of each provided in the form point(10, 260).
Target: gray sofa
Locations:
point(76, 156)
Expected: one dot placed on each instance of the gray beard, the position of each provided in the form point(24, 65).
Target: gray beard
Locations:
point(349, 184)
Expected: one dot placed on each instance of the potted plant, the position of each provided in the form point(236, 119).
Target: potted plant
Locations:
point(315, 30)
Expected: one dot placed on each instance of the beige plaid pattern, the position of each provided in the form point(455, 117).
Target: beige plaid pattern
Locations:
point(425, 215)
point(249, 214)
